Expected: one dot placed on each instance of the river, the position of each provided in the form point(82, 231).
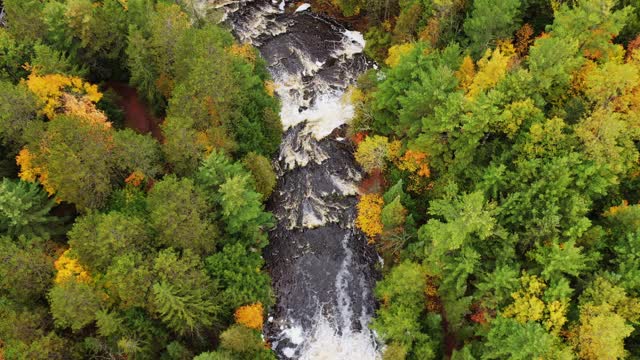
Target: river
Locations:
point(323, 271)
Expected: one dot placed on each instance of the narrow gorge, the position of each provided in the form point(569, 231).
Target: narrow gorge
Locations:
point(322, 268)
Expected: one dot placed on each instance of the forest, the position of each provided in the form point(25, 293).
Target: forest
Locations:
point(116, 244)
point(500, 141)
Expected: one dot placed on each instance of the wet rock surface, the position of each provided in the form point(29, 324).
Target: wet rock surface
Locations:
point(315, 208)
point(323, 271)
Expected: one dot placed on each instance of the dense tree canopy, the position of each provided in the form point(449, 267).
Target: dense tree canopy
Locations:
point(107, 248)
point(501, 138)
point(508, 203)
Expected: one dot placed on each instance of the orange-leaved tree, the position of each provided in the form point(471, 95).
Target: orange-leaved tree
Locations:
point(250, 315)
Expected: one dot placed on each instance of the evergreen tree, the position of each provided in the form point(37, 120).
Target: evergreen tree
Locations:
point(235, 270)
point(17, 114)
point(25, 210)
point(183, 294)
point(510, 339)
point(98, 238)
point(178, 215)
point(262, 172)
point(242, 211)
point(491, 21)
point(74, 304)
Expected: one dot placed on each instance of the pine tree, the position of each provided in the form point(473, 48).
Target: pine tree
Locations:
point(25, 209)
point(183, 294)
point(393, 215)
point(98, 238)
point(143, 70)
point(236, 270)
point(215, 170)
point(74, 304)
point(491, 21)
point(178, 214)
point(510, 339)
point(398, 321)
point(242, 211)
point(181, 311)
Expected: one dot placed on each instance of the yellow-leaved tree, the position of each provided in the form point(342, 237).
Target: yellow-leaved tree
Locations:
point(369, 218)
point(374, 152)
point(528, 305)
point(466, 73)
point(396, 52)
point(31, 172)
point(74, 156)
point(244, 51)
point(606, 317)
point(51, 88)
point(69, 269)
point(491, 69)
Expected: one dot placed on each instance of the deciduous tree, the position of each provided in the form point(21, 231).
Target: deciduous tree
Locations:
point(74, 159)
point(262, 171)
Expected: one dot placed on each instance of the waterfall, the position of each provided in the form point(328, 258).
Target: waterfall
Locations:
point(322, 268)
point(3, 21)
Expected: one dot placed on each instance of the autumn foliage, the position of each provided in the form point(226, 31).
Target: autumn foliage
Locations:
point(529, 305)
point(397, 52)
point(491, 69)
point(432, 299)
point(415, 162)
point(369, 218)
point(244, 51)
point(69, 269)
point(524, 39)
point(498, 137)
point(250, 316)
point(71, 96)
point(135, 178)
point(466, 73)
point(51, 88)
point(103, 251)
point(374, 152)
point(30, 172)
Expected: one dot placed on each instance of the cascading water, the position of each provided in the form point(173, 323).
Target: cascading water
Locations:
point(322, 269)
point(3, 20)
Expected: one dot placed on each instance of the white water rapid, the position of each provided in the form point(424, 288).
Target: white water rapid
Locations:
point(322, 268)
